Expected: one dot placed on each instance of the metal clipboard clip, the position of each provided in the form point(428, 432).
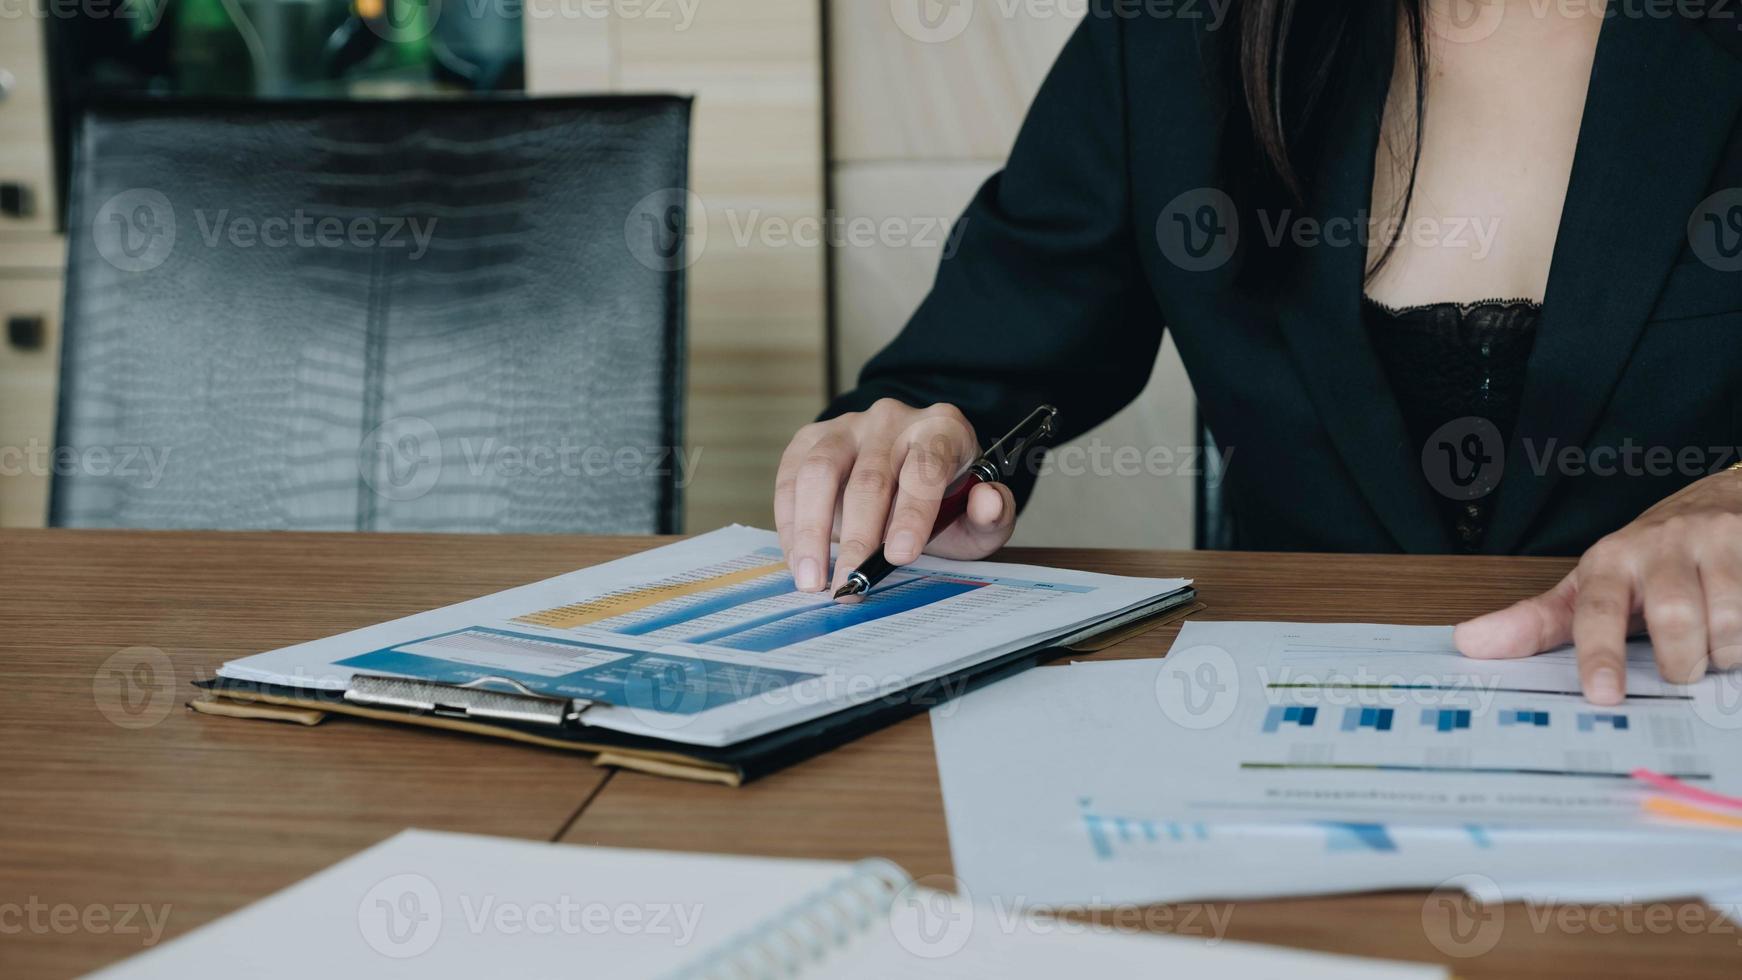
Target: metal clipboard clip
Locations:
point(471, 700)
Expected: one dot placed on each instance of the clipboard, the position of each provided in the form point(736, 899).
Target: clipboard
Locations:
point(502, 708)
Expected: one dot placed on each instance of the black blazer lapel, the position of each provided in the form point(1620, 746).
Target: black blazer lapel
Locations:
point(1663, 98)
point(1321, 317)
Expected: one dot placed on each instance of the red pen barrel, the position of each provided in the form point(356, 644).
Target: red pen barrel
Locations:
point(955, 502)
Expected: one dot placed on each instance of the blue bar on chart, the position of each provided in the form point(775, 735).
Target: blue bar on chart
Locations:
point(1589, 720)
point(724, 600)
point(1292, 714)
point(1446, 719)
point(1523, 716)
point(789, 626)
point(1378, 719)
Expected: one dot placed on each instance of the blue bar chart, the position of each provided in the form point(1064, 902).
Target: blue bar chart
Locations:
point(1378, 719)
point(785, 627)
point(1446, 719)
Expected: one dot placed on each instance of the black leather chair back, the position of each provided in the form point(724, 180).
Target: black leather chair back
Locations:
point(434, 315)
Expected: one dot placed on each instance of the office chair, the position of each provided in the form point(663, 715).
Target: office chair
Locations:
point(431, 315)
point(1214, 527)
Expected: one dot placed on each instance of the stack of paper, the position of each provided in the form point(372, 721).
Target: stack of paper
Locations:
point(1264, 759)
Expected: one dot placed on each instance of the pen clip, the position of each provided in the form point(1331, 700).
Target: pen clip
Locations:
point(1007, 453)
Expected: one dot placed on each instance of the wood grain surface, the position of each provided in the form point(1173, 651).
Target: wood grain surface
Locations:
point(114, 797)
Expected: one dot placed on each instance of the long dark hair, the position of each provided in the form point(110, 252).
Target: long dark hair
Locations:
point(1286, 64)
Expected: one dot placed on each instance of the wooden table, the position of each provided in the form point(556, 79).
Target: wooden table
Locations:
point(117, 802)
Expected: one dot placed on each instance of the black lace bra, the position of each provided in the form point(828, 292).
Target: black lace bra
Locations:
point(1450, 364)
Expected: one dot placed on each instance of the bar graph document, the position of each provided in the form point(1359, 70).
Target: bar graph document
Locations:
point(1282, 758)
point(706, 641)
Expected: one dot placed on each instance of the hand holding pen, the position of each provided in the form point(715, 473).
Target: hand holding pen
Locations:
point(884, 476)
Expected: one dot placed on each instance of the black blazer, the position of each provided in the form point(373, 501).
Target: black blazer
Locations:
point(1062, 282)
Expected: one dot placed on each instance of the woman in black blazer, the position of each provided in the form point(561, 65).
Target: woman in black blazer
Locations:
point(1447, 275)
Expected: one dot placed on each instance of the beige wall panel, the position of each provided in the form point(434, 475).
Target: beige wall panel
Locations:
point(28, 381)
point(567, 51)
point(1128, 483)
point(953, 88)
point(757, 301)
point(24, 130)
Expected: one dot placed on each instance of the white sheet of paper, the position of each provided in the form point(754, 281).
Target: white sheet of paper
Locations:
point(434, 906)
point(1119, 782)
point(706, 642)
point(1392, 724)
point(437, 906)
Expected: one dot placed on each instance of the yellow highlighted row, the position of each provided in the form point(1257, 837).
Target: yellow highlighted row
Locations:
point(621, 603)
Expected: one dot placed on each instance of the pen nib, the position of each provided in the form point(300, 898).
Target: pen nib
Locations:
point(849, 590)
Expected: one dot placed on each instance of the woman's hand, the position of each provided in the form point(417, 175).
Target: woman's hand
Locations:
point(1676, 572)
point(876, 477)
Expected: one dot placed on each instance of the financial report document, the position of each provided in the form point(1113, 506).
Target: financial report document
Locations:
point(1262, 759)
point(707, 642)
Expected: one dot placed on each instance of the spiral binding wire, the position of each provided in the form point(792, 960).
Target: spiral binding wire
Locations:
point(806, 932)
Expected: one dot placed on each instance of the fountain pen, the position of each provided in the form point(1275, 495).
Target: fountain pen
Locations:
point(997, 463)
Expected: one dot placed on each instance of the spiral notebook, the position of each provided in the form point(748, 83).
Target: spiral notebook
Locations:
point(436, 905)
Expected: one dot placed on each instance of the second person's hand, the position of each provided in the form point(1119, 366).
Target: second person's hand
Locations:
point(874, 479)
